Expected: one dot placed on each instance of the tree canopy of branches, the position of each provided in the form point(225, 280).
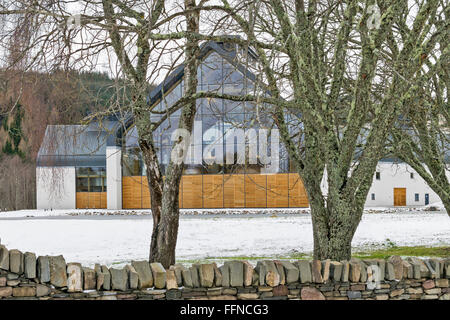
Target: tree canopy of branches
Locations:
point(334, 75)
point(343, 70)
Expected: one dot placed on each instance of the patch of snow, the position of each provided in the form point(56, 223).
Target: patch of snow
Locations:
point(196, 212)
point(116, 240)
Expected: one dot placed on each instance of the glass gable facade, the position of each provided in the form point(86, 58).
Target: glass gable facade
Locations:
point(218, 121)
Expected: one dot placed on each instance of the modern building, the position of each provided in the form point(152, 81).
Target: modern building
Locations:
point(99, 165)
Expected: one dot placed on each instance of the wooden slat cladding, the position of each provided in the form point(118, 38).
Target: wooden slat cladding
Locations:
point(192, 192)
point(255, 191)
point(234, 195)
point(91, 200)
point(400, 197)
point(132, 192)
point(213, 191)
point(277, 190)
point(297, 192)
point(146, 200)
point(82, 200)
point(224, 191)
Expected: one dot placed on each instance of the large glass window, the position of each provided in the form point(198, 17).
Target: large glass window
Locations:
point(91, 179)
point(219, 119)
point(132, 164)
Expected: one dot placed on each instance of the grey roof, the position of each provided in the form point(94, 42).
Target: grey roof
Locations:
point(70, 145)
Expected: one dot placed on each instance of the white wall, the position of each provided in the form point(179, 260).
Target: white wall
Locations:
point(394, 175)
point(114, 177)
point(55, 188)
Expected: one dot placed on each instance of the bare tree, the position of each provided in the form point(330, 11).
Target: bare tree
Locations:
point(342, 71)
point(134, 37)
point(422, 137)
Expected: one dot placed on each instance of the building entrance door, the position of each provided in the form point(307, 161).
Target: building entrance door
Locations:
point(399, 197)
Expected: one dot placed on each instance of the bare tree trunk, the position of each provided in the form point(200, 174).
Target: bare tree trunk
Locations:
point(166, 217)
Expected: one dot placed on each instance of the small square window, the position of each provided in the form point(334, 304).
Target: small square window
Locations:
point(411, 175)
point(416, 197)
point(377, 176)
point(373, 196)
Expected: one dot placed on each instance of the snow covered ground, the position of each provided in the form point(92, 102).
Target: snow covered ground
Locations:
point(117, 239)
point(104, 212)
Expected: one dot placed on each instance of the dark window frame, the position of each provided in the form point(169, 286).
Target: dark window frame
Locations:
point(90, 175)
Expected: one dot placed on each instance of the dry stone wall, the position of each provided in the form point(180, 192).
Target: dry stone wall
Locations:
point(26, 276)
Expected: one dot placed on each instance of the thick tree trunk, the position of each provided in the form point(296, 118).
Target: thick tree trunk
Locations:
point(166, 232)
point(334, 221)
point(166, 218)
point(155, 184)
point(333, 228)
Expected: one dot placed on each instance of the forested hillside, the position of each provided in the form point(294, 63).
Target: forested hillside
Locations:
point(28, 103)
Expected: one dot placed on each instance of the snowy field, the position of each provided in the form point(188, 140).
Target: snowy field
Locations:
point(97, 237)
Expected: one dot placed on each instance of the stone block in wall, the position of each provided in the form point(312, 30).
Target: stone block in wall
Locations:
point(354, 294)
point(381, 263)
point(217, 275)
point(260, 269)
point(43, 269)
point(106, 278)
point(292, 273)
point(4, 258)
point(255, 279)
point(326, 265)
point(390, 272)
point(75, 277)
point(247, 296)
point(225, 271)
point(424, 271)
point(89, 279)
point(5, 292)
point(447, 268)
point(248, 274)
point(281, 272)
point(408, 271)
point(16, 263)
point(396, 292)
point(281, 290)
point(194, 275)
point(441, 283)
point(336, 270)
point(119, 279)
point(363, 271)
point(159, 275)
point(316, 270)
point(428, 284)
point(272, 275)
point(100, 277)
point(2, 281)
point(355, 270)
point(177, 272)
point(438, 266)
point(415, 269)
point(432, 266)
point(206, 274)
point(171, 280)
point(58, 274)
point(42, 290)
point(236, 269)
point(311, 294)
point(24, 292)
point(304, 268)
point(345, 271)
point(30, 265)
point(397, 263)
point(133, 278)
point(187, 277)
point(144, 273)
